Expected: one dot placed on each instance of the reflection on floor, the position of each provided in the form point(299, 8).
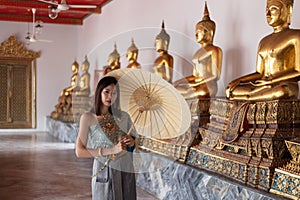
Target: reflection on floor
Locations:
point(38, 166)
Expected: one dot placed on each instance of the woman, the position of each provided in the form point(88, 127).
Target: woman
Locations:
point(102, 136)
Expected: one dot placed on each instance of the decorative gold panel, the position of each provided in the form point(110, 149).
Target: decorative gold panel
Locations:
point(17, 85)
point(3, 90)
point(260, 146)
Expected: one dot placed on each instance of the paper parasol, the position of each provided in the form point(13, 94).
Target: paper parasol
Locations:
point(165, 114)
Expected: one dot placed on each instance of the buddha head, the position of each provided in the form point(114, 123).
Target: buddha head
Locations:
point(162, 39)
point(75, 66)
point(279, 12)
point(114, 57)
point(85, 65)
point(205, 29)
point(132, 52)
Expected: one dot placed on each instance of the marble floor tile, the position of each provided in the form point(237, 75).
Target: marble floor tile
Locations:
point(38, 166)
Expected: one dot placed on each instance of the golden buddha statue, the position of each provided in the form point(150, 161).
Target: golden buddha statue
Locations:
point(84, 80)
point(74, 80)
point(278, 60)
point(207, 63)
point(63, 109)
point(114, 59)
point(163, 65)
point(132, 54)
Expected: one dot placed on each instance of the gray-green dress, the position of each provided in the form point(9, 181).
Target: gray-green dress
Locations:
point(117, 180)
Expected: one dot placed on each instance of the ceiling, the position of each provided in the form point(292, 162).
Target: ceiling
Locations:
point(21, 11)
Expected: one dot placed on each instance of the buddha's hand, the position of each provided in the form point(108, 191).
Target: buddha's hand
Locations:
point(258, 83)
point(231, 86)
point(176, 83)
point(228, 92)
point(195, 84)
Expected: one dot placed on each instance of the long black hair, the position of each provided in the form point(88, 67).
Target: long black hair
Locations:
point(103, 83)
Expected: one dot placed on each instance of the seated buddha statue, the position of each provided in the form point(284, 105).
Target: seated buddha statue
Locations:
point(114, 59)
point(278, 60)
point(58, 108)
point(63, 107)
point(131, 55)
point(74, 80)
point(163, 65)
point(207, 63)
point(84, 80)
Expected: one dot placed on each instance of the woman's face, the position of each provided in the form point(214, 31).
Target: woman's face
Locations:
point(108, 95)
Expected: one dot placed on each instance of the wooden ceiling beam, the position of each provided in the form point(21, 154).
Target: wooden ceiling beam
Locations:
point(20, 11)
point(15, 18)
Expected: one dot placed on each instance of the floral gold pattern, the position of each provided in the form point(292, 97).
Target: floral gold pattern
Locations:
point(286, 184)
point(14, 49)
point(260, 149)
point(108, 124)
point(174, 151)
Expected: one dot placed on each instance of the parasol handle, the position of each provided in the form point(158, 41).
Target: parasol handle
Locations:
point(141, 110)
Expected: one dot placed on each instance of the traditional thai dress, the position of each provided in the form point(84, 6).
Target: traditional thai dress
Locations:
point(117, 180)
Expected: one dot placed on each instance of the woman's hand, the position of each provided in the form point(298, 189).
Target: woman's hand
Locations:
point(128, 140)
point(119, 147)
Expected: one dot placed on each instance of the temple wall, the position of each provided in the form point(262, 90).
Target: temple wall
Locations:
point(240, 26)
point(53, 66)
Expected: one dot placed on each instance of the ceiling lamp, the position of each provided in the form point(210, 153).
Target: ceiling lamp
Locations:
point(27, 38)
point(36, 30)
point(52, 12)
point(38, 27)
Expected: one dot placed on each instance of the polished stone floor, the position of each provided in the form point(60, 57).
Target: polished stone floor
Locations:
point(38, 166)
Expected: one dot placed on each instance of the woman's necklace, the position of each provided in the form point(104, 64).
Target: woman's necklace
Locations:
point(109, 126)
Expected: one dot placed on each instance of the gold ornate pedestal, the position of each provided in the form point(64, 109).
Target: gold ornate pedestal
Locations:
point(178, 148)
point(245, 141)
point(286, 181)
point(174, 151)
point(63, 109)
point(81, 104)
point(286, 184)
point(70, 108)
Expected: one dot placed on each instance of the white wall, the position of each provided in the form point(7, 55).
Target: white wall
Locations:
point(53, 66)
point(240, 26)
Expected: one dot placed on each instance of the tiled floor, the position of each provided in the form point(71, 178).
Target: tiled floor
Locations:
point(38, 166)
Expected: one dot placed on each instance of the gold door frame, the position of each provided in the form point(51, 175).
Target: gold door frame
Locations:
point(13, 53)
